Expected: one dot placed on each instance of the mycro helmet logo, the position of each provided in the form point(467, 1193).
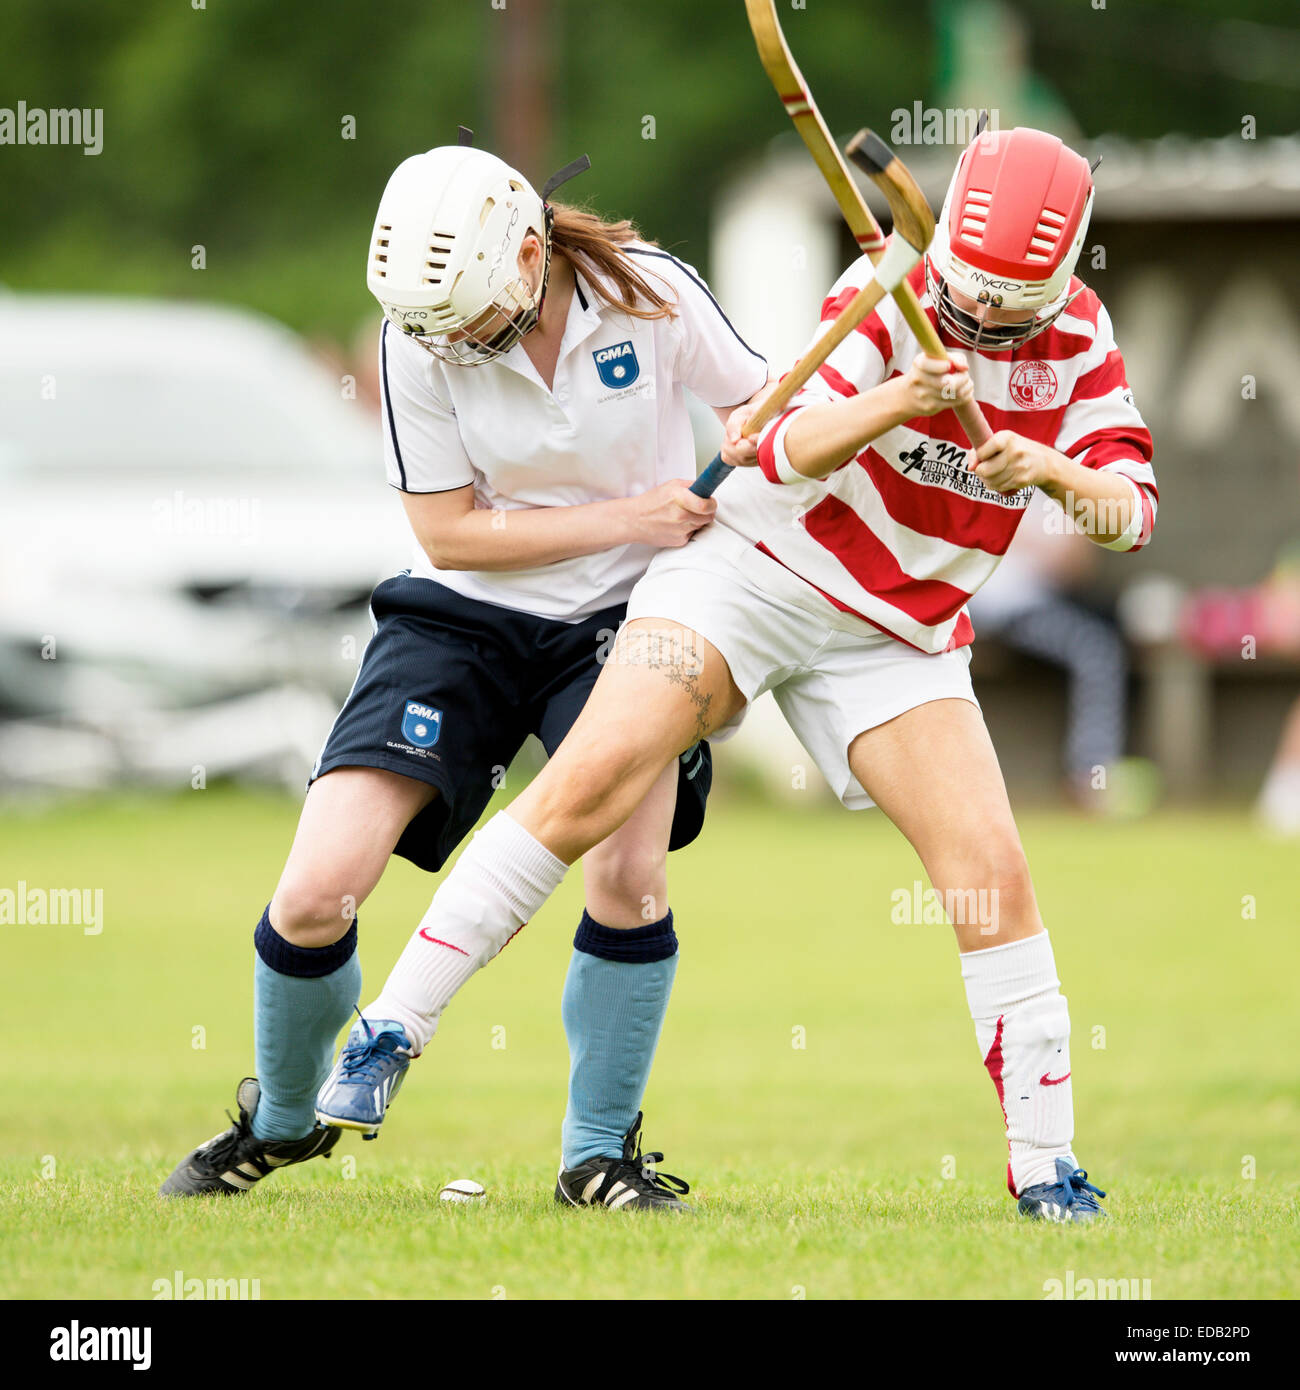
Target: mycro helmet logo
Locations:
point(504, 247)
point(421, 724)
point(617, 365)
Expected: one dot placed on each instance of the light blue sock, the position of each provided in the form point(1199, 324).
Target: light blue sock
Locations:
point(301, 998)
point(615, 998)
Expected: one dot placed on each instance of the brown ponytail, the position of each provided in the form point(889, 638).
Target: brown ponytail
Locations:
point(588, 242)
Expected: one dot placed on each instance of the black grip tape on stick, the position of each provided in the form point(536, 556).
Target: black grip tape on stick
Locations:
point(869, 152)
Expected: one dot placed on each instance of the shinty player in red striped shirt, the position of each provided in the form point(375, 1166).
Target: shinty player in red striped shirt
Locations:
point(836, 576)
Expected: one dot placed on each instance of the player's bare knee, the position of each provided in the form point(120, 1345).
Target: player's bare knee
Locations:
point(311, 915)
point(633, 875)
point(1004, 875)
point(995, 868)
point(607, 771)
point(567, 801)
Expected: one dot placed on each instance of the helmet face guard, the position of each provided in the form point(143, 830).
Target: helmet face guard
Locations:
point(491, 333)
point(977, 331)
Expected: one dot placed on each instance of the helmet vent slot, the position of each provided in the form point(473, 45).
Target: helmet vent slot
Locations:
point(1047, 233)
point(486, 211)
point(383, 233)
point(975, 215)
point(437, 255)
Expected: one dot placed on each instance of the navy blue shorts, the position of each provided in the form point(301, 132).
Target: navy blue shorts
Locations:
point(449, 689)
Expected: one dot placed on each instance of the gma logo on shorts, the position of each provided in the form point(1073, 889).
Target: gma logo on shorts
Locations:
point(421, 724)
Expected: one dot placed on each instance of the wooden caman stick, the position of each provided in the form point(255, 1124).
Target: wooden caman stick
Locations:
point(780, 66)
point(913, 227)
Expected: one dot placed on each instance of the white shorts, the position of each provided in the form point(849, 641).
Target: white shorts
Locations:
point(832, 675)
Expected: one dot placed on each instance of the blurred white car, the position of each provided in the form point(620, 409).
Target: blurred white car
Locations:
point(191, 511)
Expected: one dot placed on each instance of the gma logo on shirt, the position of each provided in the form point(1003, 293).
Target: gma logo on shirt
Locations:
point(617, 365)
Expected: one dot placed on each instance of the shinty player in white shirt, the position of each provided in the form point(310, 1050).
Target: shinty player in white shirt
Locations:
point(533, 360)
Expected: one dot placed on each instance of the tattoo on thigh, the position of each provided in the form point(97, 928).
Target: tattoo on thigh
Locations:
point(673, 653)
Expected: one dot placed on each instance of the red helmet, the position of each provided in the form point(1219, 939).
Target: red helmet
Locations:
point(1009, 235)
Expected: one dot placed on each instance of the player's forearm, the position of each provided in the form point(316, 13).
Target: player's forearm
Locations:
point(527, 537)
point(1102, 505)
point(821, 437)
point(724, 412)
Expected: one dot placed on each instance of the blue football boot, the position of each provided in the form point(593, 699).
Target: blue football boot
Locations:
point(1070, 1198)
point(367, 1076)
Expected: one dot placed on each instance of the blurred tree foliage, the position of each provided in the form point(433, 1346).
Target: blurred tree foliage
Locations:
point(224, 126)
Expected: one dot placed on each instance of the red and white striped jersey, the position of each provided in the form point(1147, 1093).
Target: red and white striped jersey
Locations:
point(904, 533)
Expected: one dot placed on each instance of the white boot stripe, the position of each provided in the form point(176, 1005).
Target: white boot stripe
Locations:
point(627, 1196)
point(589, 1191)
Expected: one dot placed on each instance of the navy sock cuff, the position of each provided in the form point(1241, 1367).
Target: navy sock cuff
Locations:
point(637, 945)
point(305, 962)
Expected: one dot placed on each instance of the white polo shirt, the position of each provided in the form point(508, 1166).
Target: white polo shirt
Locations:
point(614, 425)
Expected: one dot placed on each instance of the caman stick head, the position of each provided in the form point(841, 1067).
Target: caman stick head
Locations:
point(913, 220)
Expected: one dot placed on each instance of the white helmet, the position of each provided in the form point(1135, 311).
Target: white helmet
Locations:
point(444, 254)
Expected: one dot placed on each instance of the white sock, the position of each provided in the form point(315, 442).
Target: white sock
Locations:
point(499, 882)
point(1022, 1023)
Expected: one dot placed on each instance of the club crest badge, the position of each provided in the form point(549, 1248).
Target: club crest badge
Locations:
point(1033, 385)
point(617, 365)
point(421, 724)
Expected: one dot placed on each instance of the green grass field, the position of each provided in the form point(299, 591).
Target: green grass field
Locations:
point(867, 1163)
